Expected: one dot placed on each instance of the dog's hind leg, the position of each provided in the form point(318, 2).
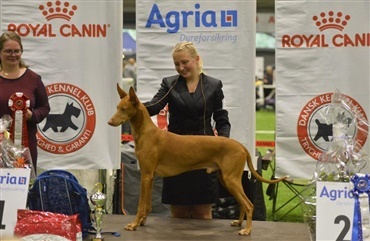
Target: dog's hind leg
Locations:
point(246, 208)
point(238, 223)
point(241, 212)
point(234, 186)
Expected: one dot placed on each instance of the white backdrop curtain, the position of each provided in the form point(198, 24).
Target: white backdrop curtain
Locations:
point(76, 47)
point(321, 47)
point(225, 38)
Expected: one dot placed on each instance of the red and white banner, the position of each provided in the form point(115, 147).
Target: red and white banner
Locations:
point(76, 47)
point(318, 50)
point(224, 36)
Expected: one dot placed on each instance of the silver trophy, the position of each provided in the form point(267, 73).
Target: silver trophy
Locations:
point(98, 199)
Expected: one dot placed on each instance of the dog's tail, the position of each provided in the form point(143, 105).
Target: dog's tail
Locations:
point(256, 174)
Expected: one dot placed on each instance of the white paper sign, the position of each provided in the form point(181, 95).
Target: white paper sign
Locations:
point(13, 196)
point(334, 211)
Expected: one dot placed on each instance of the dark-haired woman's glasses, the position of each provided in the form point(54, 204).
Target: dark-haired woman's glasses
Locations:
point(9, 52)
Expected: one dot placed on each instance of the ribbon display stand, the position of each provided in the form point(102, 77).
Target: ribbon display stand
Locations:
point(361, 217)
point(19, 103)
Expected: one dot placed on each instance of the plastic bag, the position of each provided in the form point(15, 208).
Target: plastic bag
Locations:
point(12, 156)
point(344, 156)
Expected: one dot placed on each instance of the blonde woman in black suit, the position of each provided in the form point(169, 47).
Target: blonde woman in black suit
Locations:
point(193, 99)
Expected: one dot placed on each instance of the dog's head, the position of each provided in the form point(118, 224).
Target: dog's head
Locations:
point(126, 108)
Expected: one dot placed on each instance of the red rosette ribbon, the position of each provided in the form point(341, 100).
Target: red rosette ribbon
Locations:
point(19, 103)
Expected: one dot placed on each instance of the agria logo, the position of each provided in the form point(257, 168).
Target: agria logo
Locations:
point(175, 20)
point(332, 26)
point(57, 13)
point(9, 179)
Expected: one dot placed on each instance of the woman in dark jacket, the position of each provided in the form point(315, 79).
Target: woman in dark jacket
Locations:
point(193, 99)
point(15, 76)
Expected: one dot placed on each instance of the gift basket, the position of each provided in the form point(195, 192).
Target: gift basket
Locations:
point(11, 155)
point(343, 157)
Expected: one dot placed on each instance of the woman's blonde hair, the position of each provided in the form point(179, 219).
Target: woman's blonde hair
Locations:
point(189, 46)
point(11, 36)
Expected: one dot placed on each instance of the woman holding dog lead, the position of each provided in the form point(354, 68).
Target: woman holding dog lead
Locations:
point(193, 99)
point(15, 76)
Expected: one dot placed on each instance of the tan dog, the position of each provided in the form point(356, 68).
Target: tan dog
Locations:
point(167, 154)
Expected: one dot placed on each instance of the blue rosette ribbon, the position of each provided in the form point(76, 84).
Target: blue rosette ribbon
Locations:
point(361, 183)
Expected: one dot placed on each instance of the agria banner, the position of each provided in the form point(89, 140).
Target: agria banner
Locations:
point(319, 50)
point(78, 55)
point(14, 184)
point(225, 38)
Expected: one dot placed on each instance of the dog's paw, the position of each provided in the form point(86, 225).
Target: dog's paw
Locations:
point(245, 232)
point(130, 227)
point(142, 221)
point(236, 223)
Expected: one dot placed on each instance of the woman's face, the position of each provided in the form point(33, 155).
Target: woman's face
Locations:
point(11, 53)
point(185, 64)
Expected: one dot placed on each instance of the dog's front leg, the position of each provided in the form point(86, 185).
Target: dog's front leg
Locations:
point(144, 206)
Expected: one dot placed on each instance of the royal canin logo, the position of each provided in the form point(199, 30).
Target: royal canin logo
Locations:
point(331, 21)
point(325, 21)
point(63, 11)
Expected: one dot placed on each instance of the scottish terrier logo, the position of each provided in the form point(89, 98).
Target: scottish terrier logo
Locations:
point(63, 120)
point(325, 130)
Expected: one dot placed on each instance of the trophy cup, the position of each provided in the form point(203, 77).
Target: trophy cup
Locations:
point(98, 199)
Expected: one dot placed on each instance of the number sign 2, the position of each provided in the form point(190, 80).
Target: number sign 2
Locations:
point(334, 211)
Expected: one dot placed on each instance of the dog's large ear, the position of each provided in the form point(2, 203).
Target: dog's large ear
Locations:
point(121, 92)
point(133, 98)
